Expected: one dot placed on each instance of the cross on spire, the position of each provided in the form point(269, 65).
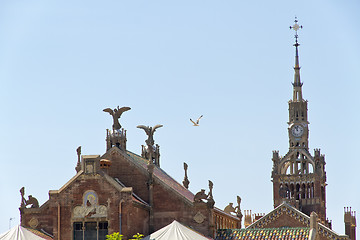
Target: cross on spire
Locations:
point(296, 27)
point(297, 96)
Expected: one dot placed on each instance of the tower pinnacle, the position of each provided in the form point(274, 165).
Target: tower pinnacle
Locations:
point(297, 94)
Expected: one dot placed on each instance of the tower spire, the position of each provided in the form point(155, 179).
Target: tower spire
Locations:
point(297, 94)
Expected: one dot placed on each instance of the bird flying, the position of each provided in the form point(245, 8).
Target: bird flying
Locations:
point(196, 124)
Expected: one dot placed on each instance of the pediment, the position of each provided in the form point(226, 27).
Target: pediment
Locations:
point(282, 216)
point(286, 215)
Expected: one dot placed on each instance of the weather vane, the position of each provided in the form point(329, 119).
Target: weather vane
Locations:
point(296, 27)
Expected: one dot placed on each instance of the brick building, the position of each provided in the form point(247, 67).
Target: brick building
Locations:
point(121, 191)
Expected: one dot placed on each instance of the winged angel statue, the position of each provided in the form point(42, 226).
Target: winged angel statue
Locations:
point(116, 114)
point(150, 141)
point(150, 132)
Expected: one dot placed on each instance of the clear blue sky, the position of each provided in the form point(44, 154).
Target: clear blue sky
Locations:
point(62, 62)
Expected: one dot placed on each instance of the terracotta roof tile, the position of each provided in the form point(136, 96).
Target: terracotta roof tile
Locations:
point(264, 234)
point(40, 234)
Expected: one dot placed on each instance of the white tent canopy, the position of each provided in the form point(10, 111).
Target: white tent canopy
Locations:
point(19, 233)
point(175, 231)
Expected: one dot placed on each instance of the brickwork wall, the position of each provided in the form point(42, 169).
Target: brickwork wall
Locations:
point(128, 173)
point(72, 196)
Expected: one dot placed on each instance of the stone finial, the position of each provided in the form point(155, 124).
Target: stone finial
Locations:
point(313, 233)
point(238, 209)
point(313, 220)
point(186, 180)
point(210, 197)
point(78, 165)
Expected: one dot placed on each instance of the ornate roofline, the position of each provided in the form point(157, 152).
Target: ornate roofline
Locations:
point(285, 208)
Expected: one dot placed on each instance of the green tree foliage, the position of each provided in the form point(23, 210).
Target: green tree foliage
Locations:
point(118, 236)
point(137, 236)
point(114, 236)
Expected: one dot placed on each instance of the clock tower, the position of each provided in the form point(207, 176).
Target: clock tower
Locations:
point(299, 177)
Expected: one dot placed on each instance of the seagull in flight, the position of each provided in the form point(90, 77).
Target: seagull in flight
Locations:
point(196, 124)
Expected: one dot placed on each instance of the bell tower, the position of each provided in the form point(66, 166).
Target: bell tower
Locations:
point(299, 177)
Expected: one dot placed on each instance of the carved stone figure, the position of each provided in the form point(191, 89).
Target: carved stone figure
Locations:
point(200, 195)
point(151, 152)
point(150, 132)
point(116, 114)
point(32, 201)
point(229, 208)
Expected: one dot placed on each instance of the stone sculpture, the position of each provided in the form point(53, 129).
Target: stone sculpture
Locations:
point(229, 208)
point(116, 114)
point(31, 201)
point(201, 195)
point(152, 151)
point(150, 132)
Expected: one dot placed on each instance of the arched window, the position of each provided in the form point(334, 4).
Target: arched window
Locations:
point(308, 188)
point(297, 192)
point(312, 190)
point(291, 191)
point(303, 191)
point(311, 168)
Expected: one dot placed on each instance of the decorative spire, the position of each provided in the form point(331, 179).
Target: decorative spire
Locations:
point(297, 95)
point(186, 179)
point(78, 165)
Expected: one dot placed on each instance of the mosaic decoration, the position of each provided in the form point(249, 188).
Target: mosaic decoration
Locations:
point(90, 207)
point(264, 234)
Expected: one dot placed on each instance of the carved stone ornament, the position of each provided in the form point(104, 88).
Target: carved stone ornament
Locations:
point(116, 114)
point(199, 218)
point(34, 222)
point(90, 207)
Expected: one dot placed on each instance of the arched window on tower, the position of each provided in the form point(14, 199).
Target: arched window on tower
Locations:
point(303, 191)
point(312, 190)
point(291, 191)
point(288, 192)
point(308, 190)
point(311, 168)
point(298, 196)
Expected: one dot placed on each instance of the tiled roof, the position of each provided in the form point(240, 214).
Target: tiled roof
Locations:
point(163, 177)
point(40, 234)
point(284, 233)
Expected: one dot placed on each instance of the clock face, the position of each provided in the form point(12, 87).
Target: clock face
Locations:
point(297, 131)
